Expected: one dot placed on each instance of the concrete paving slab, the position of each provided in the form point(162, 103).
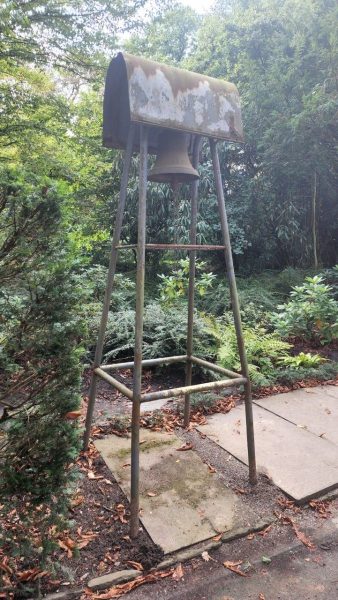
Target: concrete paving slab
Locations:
point(314, 409)
point(299, 463)
point(153, 405)
point(181, 501)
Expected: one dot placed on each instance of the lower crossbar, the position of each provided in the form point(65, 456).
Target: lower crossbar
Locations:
point(115, 383)
point(190, 389)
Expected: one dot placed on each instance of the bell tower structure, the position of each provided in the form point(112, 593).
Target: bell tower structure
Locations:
point(151, 108)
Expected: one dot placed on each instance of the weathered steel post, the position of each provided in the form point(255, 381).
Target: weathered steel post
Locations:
point(236, 312)
point(110, 283)
point(191, 290)
point(135, 423)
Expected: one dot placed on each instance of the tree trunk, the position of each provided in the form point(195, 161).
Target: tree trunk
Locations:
point(314, 228)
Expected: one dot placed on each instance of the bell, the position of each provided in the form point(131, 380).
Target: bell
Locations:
point(172, 163)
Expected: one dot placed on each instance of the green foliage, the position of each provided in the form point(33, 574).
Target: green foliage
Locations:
point(303, 359)
point(165, 332)
point(174, 286)
point(263, 349)
point(311, 314)
point(323, 372)
point(331, 278)
point(281, 56)
point(201, 401)
point(41, 368)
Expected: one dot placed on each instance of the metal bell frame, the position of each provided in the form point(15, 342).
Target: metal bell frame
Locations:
point(231, 379)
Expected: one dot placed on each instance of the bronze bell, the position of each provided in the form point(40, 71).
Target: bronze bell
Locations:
point(172, 163)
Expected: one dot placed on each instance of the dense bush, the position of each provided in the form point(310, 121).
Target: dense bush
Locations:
point(41, 336)
point(311, 314)
point(165, 332)
point(323, 372)
point(175, 286)
point(263, 349)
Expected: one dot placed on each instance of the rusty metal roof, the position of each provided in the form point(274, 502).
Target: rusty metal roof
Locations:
point(143, 91)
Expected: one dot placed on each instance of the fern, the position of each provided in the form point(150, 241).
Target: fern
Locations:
point(263, 349)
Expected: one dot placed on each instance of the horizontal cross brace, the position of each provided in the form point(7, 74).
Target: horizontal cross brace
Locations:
point(190, 389)
point(208, 365)
point(149, 362)
point(172, 247)
point(235, 380)
point(116, 384)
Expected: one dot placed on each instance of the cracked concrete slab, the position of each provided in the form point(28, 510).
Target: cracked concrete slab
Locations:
point(314, 409)
point(182, 502)
point(300, 463)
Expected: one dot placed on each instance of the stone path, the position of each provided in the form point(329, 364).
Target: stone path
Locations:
point(181, 501)
point(296, 439)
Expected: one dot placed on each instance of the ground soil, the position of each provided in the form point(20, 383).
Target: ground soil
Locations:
point(101, 511)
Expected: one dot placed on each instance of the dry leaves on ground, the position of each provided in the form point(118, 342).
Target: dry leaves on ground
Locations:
point(299, 534)
point(234, 567)
point(178, 572)
point(286, 504)
point(265, 531)
point(321, 508)
point(187, 446)
point(123, 588)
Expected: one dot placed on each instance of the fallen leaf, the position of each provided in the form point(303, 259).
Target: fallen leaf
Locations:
point(32, 574)
point(124, 588)
point(265, 531)
point(261, 597)
point(77, 500)
point(217, 537)
point(91, 475)
point(234, 567)
point(206, 556)
point(299, 534)
point(266, 560)
point(178, 572)
point(211, 469)
point(73, 414)
point(241, 491)
point(151, 494)
point(187, 446)
point(135, 565)
point(6, 568)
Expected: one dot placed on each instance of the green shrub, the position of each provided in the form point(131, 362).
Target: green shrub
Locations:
point(290, 375)
point(175, 286)
point(41, 365)
point(311, 314)
point(331, 278)
point(202, 400)
point(165, 332)
point(303, 359)
point(285, 280)
point(263, 351)
point(256, 299)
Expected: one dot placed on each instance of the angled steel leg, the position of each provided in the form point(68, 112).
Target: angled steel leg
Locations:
point(191, 292)
point(236, 312)
point(135, 424)
point(110, 282)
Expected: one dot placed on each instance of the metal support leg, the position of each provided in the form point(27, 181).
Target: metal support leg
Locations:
point(236, 313)
point(191, 292)
point(135, 424)
point(110, 282)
